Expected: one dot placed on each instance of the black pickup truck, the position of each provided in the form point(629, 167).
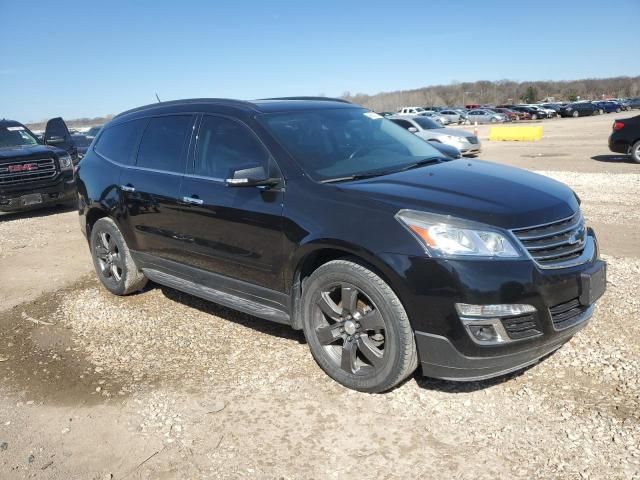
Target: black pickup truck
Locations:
point(625, 137)
point(36, 173)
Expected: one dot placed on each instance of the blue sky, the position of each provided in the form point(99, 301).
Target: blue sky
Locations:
point(91, 58)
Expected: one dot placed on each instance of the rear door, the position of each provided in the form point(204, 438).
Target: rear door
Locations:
point(151, 187)
point(57, 134)
point(232, 231)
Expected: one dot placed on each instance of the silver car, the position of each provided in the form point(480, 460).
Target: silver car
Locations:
point(431, 131)
point(486, 116)
point(453, 116)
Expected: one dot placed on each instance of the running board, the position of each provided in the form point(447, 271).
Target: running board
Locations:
point(227, 299)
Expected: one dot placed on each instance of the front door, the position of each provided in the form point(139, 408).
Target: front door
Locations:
point(57, 134)
point(232, 231)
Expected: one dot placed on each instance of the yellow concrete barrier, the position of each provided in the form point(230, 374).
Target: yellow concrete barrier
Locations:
point(515, 134)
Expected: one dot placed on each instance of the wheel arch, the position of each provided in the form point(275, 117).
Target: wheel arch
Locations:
point(92, 216)
point(312, 256)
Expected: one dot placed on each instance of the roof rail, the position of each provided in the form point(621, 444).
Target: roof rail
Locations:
point(218, 101)
point(320, 99)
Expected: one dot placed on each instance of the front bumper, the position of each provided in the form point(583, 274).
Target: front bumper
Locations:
point(439, 358)
point(431, 288)
point(21, 197)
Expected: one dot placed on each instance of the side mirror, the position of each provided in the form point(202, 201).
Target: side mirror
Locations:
point(54, 140)
point(251, 177)
point(413, 129)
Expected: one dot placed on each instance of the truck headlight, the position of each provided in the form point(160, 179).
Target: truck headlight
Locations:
point(445, 236)
point(65, 162)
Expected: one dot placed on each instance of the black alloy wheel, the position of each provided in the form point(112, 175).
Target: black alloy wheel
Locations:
point(350, 328)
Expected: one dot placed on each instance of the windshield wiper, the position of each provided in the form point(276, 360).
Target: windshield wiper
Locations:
point(357, 176)
point(422, 163)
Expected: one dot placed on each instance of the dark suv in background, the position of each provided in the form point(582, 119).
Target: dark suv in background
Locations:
point(35, 173)
point(324, 216)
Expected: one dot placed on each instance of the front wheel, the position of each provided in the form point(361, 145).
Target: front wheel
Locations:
point(357, 329)
point(575, 114)
point(112, 259)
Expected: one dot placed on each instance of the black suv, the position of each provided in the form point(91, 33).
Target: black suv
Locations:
point(625, 137)
point(34, 173)
point(322, 215)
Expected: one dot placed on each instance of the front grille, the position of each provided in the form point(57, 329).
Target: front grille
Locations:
point(521, 327)
point(557, 243)
point(24, 171)
point(567, 314)
point(473, 140)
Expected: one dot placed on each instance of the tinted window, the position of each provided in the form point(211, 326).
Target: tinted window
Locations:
point(427, 123)
point(225, 146)
point(119, 142)
point(403, 123)
point(333, 143)
point(163, 142)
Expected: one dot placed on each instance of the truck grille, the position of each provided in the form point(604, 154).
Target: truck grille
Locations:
point(565, 315)
point(24, 171)
point(473, 140)
point(556, 243)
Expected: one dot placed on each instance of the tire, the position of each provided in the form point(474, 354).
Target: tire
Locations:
point(357, 329)
point(575, 114)
point(635, 152)
point(534, 117)
point(493, 120)
point(112, 259)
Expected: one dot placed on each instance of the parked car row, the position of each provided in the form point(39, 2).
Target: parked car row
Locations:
point(475, 113)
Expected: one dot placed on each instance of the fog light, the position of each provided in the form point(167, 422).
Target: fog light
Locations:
point(484, 333)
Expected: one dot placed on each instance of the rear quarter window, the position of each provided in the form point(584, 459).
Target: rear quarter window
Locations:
point(119, 143)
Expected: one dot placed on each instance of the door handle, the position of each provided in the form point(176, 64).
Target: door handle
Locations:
point(193, 201)
point(127, 188)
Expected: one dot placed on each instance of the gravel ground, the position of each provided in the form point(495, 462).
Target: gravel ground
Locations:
point(162, 385)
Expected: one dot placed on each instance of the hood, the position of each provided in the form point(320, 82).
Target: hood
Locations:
point(35, 151)
point(485, 192)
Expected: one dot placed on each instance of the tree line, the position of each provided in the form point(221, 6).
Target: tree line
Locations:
point(499, 92)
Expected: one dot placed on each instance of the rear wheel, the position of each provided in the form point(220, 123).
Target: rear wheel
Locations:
point(534, 117)
point(112, 259)
point(575, 114)
point(357, 329)
point(635, 152)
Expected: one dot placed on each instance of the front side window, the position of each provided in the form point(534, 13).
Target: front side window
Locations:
point(332, 143)
point(16, 136)
point(118, 143)
point(225, 146)
point(426, 123)
point(163, 143)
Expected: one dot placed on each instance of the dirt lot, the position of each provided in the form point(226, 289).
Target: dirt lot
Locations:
point(161, 385)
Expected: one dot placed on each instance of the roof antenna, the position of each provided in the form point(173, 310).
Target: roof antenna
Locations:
point(157, 97)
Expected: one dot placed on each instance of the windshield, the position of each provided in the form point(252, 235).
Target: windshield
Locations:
point(427, 123)
point(16, 136)
point(345, 142)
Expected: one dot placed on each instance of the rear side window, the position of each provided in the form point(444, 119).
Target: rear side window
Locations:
point(225, 146)
point(119, 142)
point(163, 143)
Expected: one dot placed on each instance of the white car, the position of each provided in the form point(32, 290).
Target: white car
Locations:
point(431, 131)
point(411, 111)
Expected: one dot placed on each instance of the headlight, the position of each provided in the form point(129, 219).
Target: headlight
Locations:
point(444, 236)
point(65, 162)
point(453, 139)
